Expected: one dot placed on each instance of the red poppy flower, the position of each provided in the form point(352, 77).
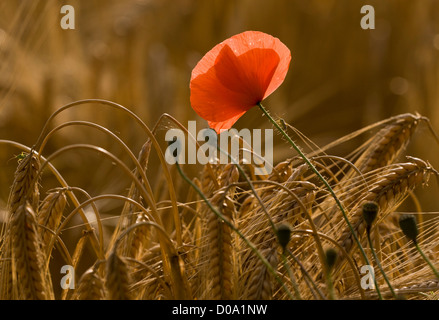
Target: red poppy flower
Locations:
point(236, 75)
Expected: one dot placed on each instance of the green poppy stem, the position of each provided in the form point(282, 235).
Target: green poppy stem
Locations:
point(231, 225)
point(292, 278)
point(330, 283)
point(311, 282)
point(381, 269)
point(313, 168)
point(436, 273)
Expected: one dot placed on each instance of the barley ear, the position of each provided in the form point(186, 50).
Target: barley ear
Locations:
point(24, 188)
point(32, 282)
point(25, 185)
point(90, 287)
point(50, 214)
point(117, 281)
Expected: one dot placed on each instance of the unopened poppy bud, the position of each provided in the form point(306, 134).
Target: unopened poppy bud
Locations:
point(331, 258)
point(370, 212)
point(408, 225)
point(283, 235)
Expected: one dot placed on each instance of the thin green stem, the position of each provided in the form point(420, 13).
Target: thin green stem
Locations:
point(246, 178)
point(330, 285)
point(292, 278)
point(436, 273)
point(306, 275)
point(250, 183)
point(226, 221)
point(313, 168)
point(381, 269)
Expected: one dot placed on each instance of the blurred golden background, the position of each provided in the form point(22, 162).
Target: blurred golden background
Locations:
point(140, 53)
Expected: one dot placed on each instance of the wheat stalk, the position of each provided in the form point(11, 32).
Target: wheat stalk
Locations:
point(256, 282)
point(50, 214)
point(260, 286)
point(139, 237)
point(218, 248)
point(388, 192)
point(117, 280)
point(388, 143)
point(425, 286)
point(378, 152)
point(209, 260)
point(220, 259)
point(90, 286)
point(129, 213)
point(28, 256)
point(24, 188)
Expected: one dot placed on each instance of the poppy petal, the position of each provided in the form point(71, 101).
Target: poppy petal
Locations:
point(237, 74)
point(249, 73)
point(222, 125)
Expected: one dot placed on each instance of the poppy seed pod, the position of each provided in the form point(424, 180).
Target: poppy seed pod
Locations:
point(331, 258)
point(408, 225)
point(283, 235)
point(370, 212)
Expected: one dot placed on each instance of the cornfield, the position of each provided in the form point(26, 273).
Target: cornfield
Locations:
point(88, 196)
